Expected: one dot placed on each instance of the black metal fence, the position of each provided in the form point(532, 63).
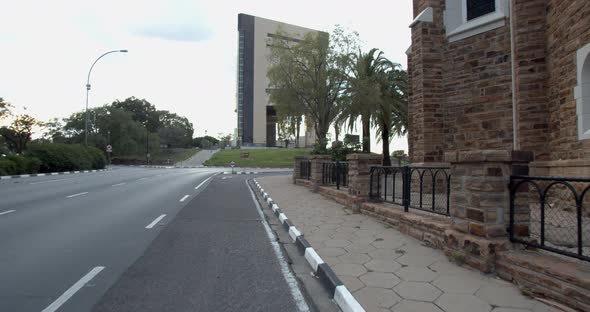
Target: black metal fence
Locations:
point(423, 188)
point(305, 169)
point(335, 173)
point(551, 213)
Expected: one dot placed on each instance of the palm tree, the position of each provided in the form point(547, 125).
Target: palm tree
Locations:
point(391, 115)
point(363, 90)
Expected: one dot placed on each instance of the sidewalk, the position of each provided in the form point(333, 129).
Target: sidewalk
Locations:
point(386, 270)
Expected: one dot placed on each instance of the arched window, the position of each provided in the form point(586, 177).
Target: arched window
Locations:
point(582, 93)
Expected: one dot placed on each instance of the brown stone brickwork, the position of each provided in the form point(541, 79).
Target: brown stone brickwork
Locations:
point(461, 91)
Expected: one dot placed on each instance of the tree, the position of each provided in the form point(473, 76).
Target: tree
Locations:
point(364, 90)
point(391, 115)
point(4, 109)
point(310, 72)
point(18, 134)
point(54, 131)
point(142, 111)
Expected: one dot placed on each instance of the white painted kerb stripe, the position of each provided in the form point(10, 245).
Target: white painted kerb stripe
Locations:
point(158, 219)
point(7, 212)
point(289, 278)
point(268, 200)
point(184, 198)
point(294, 232)
point(275, 207)
point(313, 258)
point(346, 301)
point(72, 290)
point(74, 195)
point(282, 217)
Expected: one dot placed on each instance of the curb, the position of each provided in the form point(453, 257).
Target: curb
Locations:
point(48, 174)
point(241, 172)
point(329, 279)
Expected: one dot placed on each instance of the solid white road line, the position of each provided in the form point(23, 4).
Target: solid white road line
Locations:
point(201, 184)
point(289, 278)
point(7, 212)
point(184, 198)
point(158, 219)
point(119, 184)
point(72, 290)
point(74, 195)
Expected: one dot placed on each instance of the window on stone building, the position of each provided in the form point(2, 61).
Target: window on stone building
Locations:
point(582, 92)
point(477, 8)
point(466, 18)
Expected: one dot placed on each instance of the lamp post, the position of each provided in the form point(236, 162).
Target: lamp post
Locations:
point(88, 91)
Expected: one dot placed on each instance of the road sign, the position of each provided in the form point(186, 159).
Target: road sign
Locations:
point(232, 164)
point(109, 148)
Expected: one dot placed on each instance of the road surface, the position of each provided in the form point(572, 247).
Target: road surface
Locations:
point(66, 240)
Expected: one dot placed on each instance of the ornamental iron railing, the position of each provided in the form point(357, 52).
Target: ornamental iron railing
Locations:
point(422, 188)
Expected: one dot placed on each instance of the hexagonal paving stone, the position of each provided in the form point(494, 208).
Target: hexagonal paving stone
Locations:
point(336, 243)
point(346, 229)
point(417, 291)
point(352, 283)
point(444, 266)
point(415, 306)
point(507, 297)
point(359, 248)
point(372, 298)
point(458, 283)
point(378, 265)
point(388, 243)
point(331, 252)
point(462, 303)
point(349, 269)
point(385, 254)
point(416, 274)
point(380, 279)
point(357, 258)
point(415, 260)
point(510, 310)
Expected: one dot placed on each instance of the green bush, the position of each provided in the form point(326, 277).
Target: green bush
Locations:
point(16, 164)
point(67, 157)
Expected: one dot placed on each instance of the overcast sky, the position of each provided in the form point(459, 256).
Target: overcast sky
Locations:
point(182, 54)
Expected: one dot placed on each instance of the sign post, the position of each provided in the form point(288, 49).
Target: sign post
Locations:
point(232, 165)
point(109, 151)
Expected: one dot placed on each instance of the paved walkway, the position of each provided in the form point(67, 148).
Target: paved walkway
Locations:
point(197, 159)
point(385, 269)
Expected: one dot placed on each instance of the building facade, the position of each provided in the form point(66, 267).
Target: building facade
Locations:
point(256, 116)
point(502, 75)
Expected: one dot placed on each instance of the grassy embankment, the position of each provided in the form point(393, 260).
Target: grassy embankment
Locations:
point(272, 158)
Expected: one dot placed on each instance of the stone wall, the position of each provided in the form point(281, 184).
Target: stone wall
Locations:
point(460, 94)
point(568, 29)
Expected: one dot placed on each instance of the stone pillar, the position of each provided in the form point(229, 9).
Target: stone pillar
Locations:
point(359, 167)
point(426, 84)
point(480, 201)
point(317, 162)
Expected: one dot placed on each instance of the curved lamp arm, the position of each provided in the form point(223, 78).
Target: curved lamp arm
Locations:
point(91, 67)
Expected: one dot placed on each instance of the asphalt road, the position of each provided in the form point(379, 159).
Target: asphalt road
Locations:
point(55, 230)
point(216, 255)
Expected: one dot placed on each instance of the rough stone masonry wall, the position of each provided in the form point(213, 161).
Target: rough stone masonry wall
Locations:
point(568, 29)
point(426, 75)
point(531, 76)
point(477, 92)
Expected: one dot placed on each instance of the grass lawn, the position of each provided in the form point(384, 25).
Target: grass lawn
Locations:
point(273, 158)
point(174, 154)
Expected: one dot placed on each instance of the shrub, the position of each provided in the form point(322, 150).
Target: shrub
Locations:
point(16, 164)
point(67, 157)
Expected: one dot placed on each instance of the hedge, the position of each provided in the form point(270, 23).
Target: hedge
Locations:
point(66, 157)
point(16, 164)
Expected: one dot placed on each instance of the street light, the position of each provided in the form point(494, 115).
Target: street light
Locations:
point(88, 91)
